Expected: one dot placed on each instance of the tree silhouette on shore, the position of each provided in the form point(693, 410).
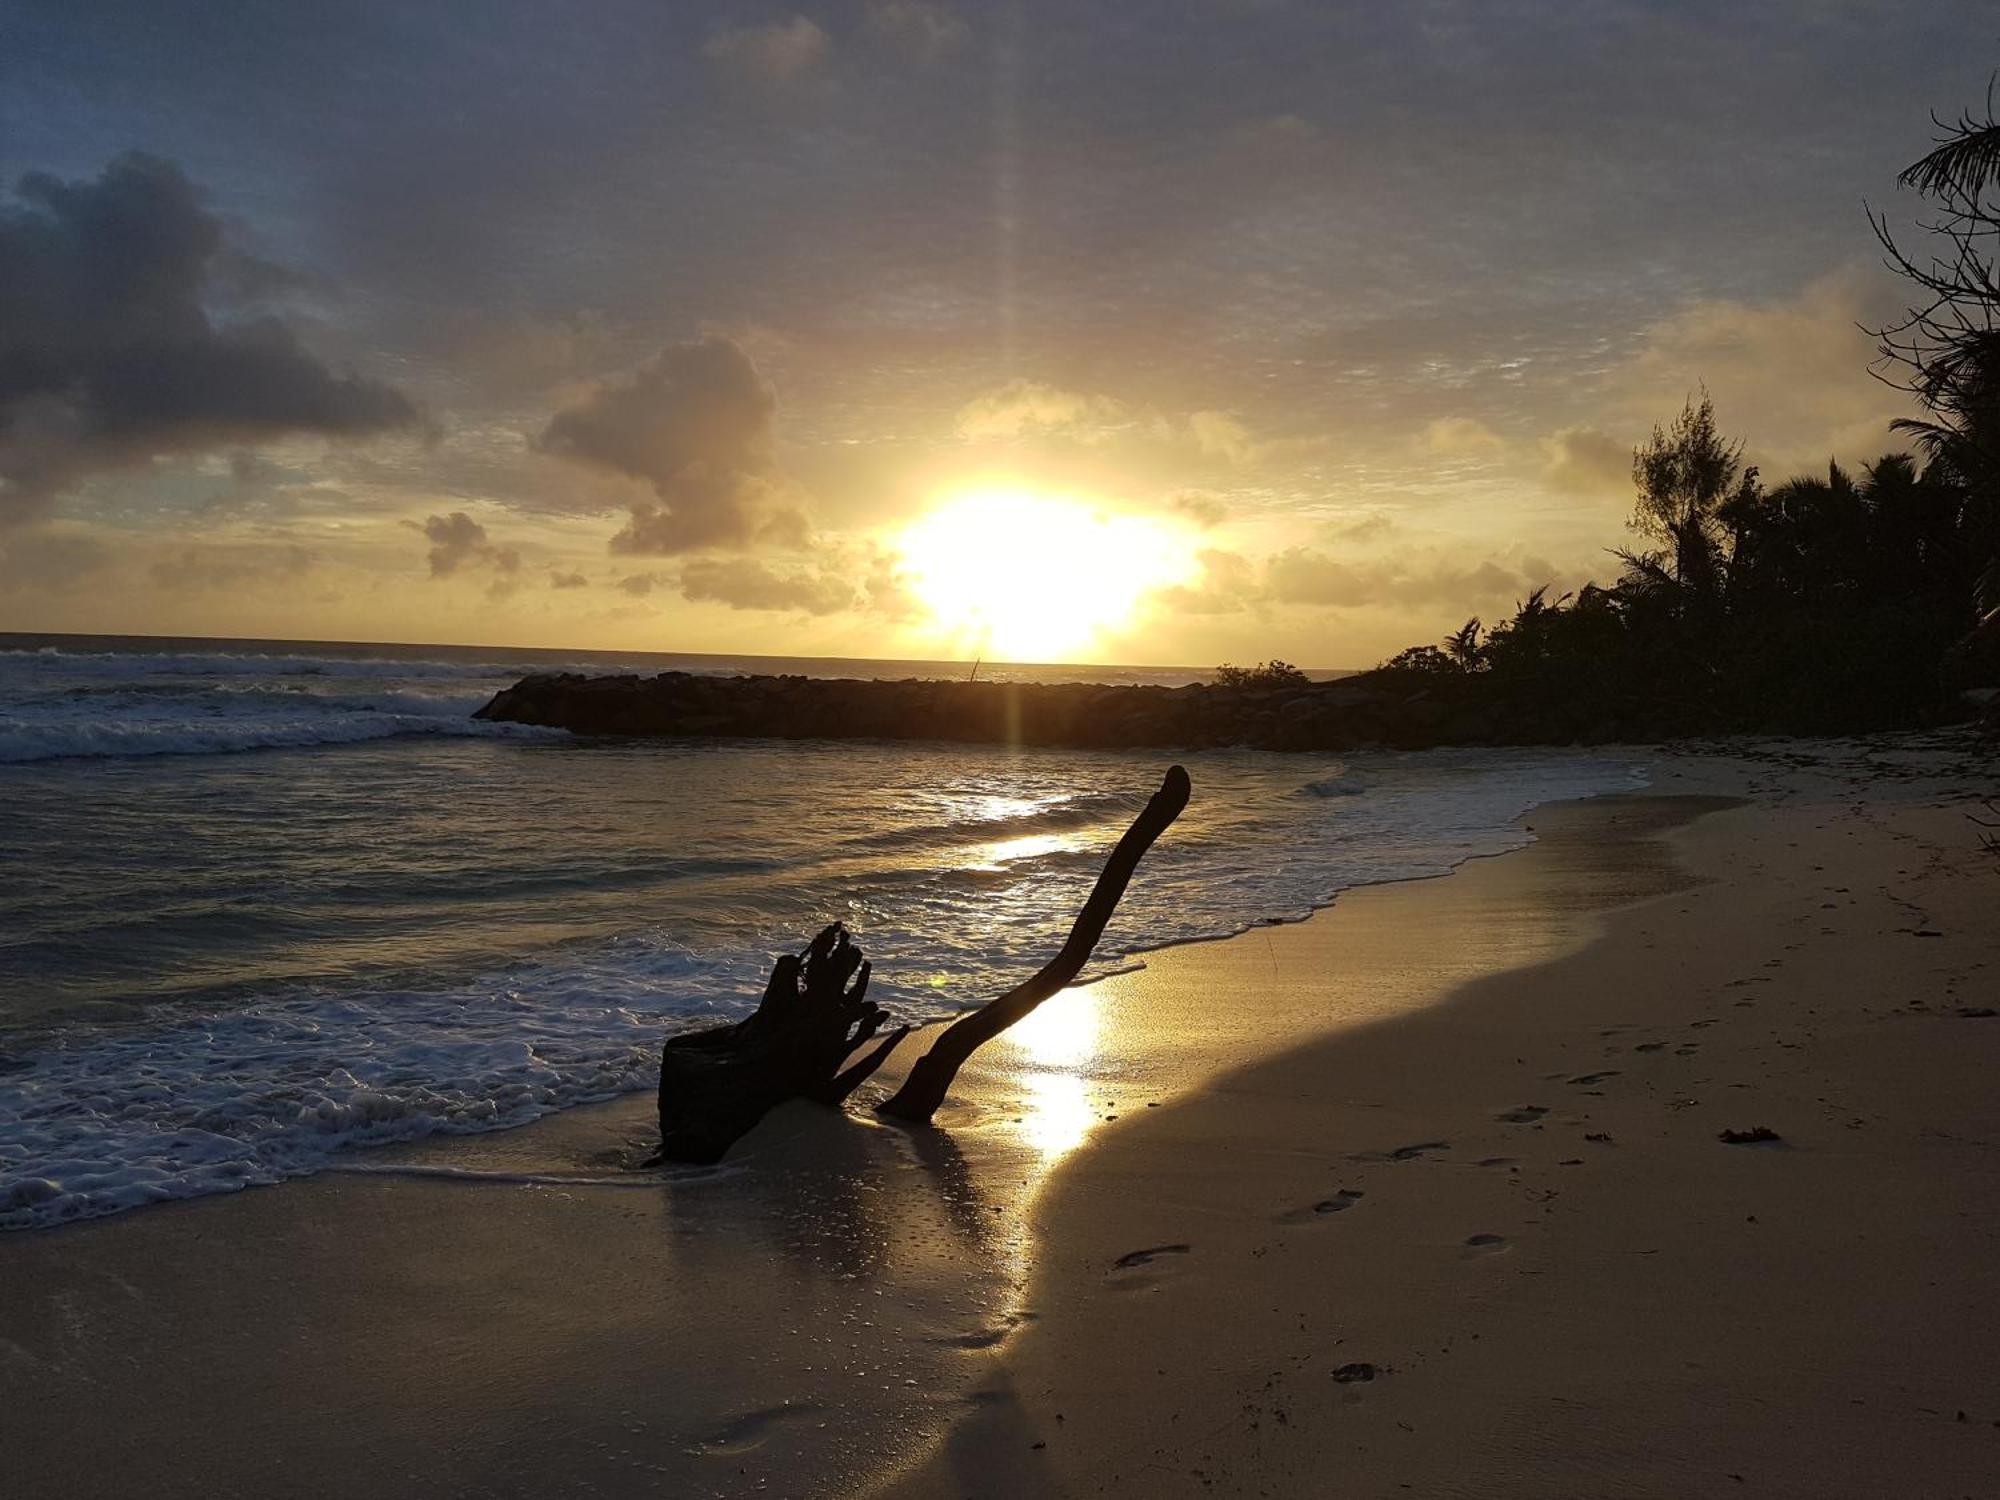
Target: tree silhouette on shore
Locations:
point(1856, 600)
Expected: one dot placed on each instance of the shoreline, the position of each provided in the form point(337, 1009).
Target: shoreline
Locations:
point(423, 1335)
point(1494, 1246)
point(950, 913)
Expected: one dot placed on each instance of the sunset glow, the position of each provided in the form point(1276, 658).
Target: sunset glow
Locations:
point(1009, 572)
point(720, 660)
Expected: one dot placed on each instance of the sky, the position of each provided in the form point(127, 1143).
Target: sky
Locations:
point(1176, 332)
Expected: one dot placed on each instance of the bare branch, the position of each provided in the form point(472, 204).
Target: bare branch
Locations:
point(924, 1090)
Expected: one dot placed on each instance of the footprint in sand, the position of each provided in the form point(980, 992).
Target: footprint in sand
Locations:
point(1522, 1114)
point(1584, 1080)
point(1649, 1047)
point(1340, 1202)
point(1132, 1258)
point(1485, 1244)
point(986, 1338)
point(1401, 1153)
point(1495, 1161)
point(753, 1429)
point(1411, 1153)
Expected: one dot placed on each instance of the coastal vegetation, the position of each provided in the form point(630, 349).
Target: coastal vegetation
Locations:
point(1855, 600)
point(1266, 674)
point(1851, 601)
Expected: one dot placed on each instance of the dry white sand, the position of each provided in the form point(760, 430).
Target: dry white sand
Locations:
point(1364, 1140)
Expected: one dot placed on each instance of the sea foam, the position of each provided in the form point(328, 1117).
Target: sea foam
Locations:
point(225, 972)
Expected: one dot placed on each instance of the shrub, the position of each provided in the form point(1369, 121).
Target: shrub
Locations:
point(1266, 674)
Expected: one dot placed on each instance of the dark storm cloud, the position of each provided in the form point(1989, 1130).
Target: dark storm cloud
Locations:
point(109, 355)
point(695, 424)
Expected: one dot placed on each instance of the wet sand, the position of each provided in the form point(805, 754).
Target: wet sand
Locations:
point(1495, 1247)
point(1169, 1220)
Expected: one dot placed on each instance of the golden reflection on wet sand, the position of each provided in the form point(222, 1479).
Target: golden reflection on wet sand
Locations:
point(1054, 1050)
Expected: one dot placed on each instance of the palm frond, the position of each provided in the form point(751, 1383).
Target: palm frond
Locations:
point(1968, 163)
point(1934, 438)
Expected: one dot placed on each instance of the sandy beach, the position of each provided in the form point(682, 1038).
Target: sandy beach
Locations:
point(1424, 1195)
point(1494, 1246)
point(933, 750)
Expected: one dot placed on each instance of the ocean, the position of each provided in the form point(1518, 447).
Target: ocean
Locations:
point(266, 903)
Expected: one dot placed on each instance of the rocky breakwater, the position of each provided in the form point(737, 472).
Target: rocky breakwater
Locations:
point(1372, 710)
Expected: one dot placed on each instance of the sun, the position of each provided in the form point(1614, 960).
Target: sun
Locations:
point(1023, 575)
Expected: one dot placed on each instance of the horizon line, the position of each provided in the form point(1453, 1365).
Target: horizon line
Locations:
point(248, 640)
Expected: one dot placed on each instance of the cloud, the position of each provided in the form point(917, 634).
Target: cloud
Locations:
point(777, 53)
point(860, 578)
point(1461, 435)
point(695, 424)
point(1301, 575)
point(1306, 577)
point(522, 355)
point(745, 583)
point(1021, 407)
point(1025, 408)
point(1219, 435)
point(921, 31)
point(35, 559)
point(1584, 461)
point(1227, 584)
point(638, 585)
point(109, 356)
point(212, 567)
point(1789, 374)
point(1199, 506)
point(567, 581)
point(457, 541)
point(1366, 528)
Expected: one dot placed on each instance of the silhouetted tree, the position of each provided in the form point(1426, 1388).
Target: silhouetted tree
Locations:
point(1423, 661)
point(1687, 474)
point(1861, 599)
point(1266, 674)
point(1462, 645)
point(1946, 349)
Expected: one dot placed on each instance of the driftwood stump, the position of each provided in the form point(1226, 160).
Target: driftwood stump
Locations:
point(718, 1083)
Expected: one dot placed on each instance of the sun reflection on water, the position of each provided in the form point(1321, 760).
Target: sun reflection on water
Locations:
point(1026, 846)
